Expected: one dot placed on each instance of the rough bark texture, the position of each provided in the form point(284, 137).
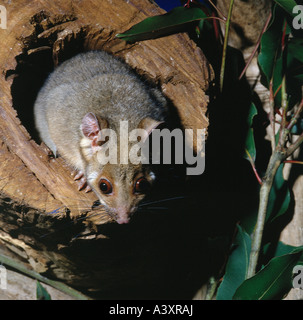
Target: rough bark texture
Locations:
point(38, 194)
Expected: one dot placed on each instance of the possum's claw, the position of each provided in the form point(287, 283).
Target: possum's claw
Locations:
point(82, 182)
point(79, 175)
point(88, 188)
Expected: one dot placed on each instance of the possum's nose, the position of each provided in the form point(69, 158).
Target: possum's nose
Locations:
point(123, 215)
point(123, 220)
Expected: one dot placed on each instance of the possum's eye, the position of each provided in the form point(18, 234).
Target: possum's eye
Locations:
point(141, 185)
point(105, 186)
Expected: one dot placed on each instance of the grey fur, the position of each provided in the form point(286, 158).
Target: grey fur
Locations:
point(93, 82)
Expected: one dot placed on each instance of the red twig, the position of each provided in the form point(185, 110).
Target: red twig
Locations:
point(256, 46)
point(217, 9)
point(293, 161)
point(257, 175)
point(252, 163)
point(279, 88)
point(283, 36)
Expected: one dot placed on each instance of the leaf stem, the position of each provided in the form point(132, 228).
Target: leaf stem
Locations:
point(252, 163)
point(214, 18)
point(256, 46)
point(225, 44)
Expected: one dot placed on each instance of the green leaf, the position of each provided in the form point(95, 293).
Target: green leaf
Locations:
point(270, 46)
point(280, 249)
point(41, 292)
point(283, 248)
point(163, 24)
point(272, 282)
point(250, 148)
point(236, 267)
point(287, 5)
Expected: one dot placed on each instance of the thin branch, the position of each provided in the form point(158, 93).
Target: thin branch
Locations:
point(214, 18)
point(256, 46)
point(292, 148)
point(268, 179)
point(278, 155)
point(283, 130)
point(293, 161)
point(218, 10)
point(225, 44)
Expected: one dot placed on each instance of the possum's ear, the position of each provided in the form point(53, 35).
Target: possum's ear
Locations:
point(91, 128)
point(149, 124)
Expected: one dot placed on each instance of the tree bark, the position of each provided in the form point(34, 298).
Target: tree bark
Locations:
point(39, 197)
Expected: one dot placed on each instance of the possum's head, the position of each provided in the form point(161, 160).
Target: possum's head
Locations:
point(115, 166)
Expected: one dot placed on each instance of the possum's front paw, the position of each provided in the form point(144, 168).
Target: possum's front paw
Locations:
point(82, 183)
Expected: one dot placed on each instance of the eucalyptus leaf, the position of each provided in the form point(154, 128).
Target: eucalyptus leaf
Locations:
point(250, 148)
point(41, 292)
point(283, 249)
point(160, 25)
point(270, 46)
point(271, 283)
point(236, 267)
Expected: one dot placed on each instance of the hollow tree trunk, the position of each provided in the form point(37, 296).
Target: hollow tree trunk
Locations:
point(39, 199)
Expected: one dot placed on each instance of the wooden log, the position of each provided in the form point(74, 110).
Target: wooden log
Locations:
point(41, 34)
point(38, 193)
